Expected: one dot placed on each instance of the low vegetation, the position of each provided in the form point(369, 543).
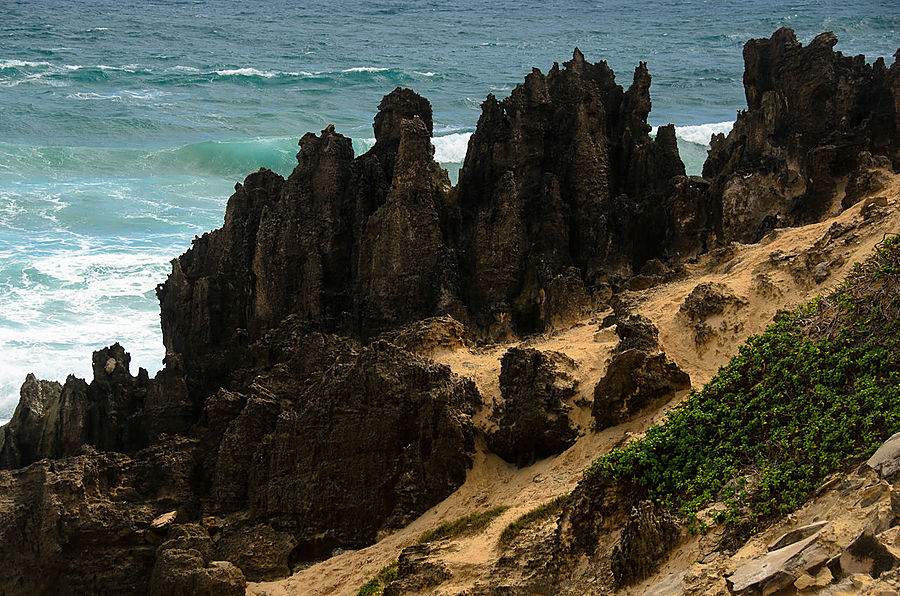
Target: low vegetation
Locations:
point(467, 525)
point(376, 585)
point(536, 515)
point(818, 389)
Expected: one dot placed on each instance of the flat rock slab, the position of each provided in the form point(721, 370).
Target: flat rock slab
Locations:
point(163, 521)
point(886, 461)
point(797, 534)
point(777, 569)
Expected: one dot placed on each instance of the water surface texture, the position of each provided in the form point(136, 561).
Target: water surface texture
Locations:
point(124, 125)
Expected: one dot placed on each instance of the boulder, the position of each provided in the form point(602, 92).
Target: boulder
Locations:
point(180, 572)
point(797, 534)
point(777, 569)
point(416, 573)
point(886, 459)
point(867, 554)
point(632, 381)
point(533, 422)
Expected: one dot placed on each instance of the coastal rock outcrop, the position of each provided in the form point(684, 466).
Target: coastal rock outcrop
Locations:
point(638, 373)
point(533, 422)
point(562, 189)
point(293, 416)
point(335, 441)
point(814, 120)
point(80, 524)
point(108, 414)
point(349, 245)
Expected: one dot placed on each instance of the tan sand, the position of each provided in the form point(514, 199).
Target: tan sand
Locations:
point(491, 481)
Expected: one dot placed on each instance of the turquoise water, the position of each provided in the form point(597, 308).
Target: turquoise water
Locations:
point(124, 125)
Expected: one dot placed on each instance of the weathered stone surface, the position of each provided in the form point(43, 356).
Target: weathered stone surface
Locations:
point(351, 245)
point(646, 538)
point(335, 441)
point(867, 554)
point(561, 178)
point(636, 332)
point(261, 552)
point(777, 569)
point(180, 572)
point(416, 573)
point(886, 459)
point(811, 114)
point(429, 336)
point(797, 534)
point(638, 373)
point(77, 525)
point(596, 507)
point(706, 300)
point(533, 422)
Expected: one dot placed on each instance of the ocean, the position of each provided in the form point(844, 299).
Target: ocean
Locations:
point(125, 125)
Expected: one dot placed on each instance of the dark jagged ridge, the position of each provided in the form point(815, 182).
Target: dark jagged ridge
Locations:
point(301, 437)
point(816, 122)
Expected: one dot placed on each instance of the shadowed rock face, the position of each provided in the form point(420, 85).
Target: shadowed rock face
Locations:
point(813, 117)
point(562, 189)
point(533, 422)
point(350, 245)
point(336, 441)
point(305, 434)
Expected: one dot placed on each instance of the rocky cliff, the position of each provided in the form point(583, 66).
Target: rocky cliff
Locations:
point(296, 414)
point(816, 125)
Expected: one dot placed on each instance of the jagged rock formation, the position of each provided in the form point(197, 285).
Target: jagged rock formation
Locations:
point(562, 189)
point(350, 245)
point(326, 444)
point(815, 120)
point(646, 538)
point(79, 524)
point(637, 374)
point(109, 414)
point(335, 442)
point(533, 422)
point(290, 420)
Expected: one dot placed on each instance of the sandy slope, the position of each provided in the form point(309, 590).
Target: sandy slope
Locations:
point(771, 275)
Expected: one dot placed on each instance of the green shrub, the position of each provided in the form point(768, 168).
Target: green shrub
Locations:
point(469, 524)
point(818, 388)
point(538, 514)
point(376, 585)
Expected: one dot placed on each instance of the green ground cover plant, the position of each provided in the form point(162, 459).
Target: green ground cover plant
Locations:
point(376, 585)
point(818, 389)
point(538, 514)
point(466, 525)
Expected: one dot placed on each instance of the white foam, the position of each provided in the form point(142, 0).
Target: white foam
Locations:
point(90, 96)
point(21, 64)
point(700, 133)
point(425, 74)
point(246, 72)
point(451, 148)
point(76, 299)
point(364, 69)
point(180, 68)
